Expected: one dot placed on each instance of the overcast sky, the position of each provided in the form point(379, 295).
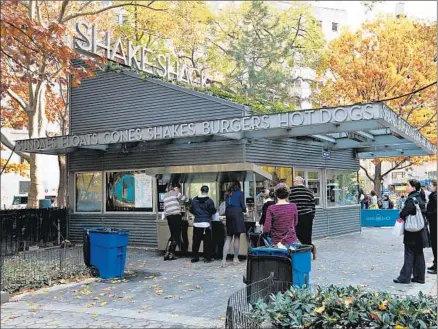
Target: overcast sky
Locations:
point(356, 12)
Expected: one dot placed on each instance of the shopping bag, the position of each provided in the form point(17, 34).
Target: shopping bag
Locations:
point(215, 217)
point(399, 227)
point(222, 208)
point(415, 223)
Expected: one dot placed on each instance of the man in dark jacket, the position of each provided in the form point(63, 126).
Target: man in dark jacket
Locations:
point(414, 265)
point(203, 208)
point(432, 219)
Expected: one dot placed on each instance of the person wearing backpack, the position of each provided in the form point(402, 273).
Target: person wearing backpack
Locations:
point(414, 267)
point(203, 209)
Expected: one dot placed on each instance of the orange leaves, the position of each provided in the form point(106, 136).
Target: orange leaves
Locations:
point(387, 57)
point(19, 168)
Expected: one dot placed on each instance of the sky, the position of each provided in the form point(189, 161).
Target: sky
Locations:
point(356, 11)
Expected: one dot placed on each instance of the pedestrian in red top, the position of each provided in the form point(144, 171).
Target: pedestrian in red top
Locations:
point(282, 218)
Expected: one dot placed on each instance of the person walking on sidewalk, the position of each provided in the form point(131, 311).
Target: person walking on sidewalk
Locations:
point(414, 265)
point(172, 211)
point(203, 209)
point(304, 199)
point(432, 218)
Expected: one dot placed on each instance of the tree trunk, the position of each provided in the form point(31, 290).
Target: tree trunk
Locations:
point(37, 126)
point(62, 189)
point(377, 178)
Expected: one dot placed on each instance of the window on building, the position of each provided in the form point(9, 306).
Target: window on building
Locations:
point(88, 192)
point(398, 175)
point(279, 174)
point(342, 188)
point(23, 187)
point(335, 27)
point(432, 174)
point(312, 180)
point(129, 191)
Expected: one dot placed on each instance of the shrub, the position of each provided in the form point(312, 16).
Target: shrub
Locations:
point(345, 307)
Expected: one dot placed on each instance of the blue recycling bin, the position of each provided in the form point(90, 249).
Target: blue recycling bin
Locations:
point(108, 252)
point(287, 265)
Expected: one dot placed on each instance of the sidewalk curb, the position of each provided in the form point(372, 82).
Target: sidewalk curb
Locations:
point(4, 297)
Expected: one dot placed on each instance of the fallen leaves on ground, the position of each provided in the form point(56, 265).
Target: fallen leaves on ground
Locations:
point(159, 292)
point(103, 304)
point(175, 315)
point(169, 296)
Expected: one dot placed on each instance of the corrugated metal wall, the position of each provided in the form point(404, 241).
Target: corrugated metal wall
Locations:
point(159, 156)
point(336, 221)
point(143, 228)
point(115, 101)
point(287, 152)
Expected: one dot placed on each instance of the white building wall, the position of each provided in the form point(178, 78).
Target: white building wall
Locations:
point(10, 181)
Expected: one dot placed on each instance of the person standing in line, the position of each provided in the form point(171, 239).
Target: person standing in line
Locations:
point(235, 222)
point(203, 209)
point(172, 211)
point(282, 218)
point(374, 204)
point(268, 200)
point(431, 212)
point(401, 202)
point(304, 199)
point(414, 265)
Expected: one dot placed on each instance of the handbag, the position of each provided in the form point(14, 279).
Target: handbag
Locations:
point(415, 223)
point(399, 227)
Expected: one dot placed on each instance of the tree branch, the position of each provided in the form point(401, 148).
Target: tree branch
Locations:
point(24, 105)
point(6, 142)
point(63, 9)
point(397, 166)
point(366, 173)
point(148, 6)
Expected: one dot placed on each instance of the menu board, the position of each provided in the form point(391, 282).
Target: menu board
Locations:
point(129, 191)
point(143, 191)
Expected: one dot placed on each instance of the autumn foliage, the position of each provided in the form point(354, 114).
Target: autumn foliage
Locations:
point(386, 58)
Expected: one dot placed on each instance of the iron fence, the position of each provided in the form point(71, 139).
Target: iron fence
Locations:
point(39, 268)
point(23, 228)
point(239, 303)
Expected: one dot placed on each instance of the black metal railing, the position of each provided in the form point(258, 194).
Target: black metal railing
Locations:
point(22, 229)
point(39, 268)
point(239, 303)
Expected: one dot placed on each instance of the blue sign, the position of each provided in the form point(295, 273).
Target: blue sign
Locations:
point(379, 217)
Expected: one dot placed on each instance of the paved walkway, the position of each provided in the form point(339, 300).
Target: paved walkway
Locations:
point(178, 294)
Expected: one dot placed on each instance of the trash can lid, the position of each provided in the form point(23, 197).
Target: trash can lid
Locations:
point(107, 230)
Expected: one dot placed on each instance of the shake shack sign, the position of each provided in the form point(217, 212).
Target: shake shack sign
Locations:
point(140, 58)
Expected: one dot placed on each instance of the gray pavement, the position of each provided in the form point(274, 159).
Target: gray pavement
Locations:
point(178, 294)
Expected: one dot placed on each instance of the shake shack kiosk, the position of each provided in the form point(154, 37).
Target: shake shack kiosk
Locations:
point(131, 136)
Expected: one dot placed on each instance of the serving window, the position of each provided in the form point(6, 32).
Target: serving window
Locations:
point(312, 180)
point(129, 191)
point(342, 188)
point(88, 192)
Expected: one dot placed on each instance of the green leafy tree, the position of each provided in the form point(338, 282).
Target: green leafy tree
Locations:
point(262, 45)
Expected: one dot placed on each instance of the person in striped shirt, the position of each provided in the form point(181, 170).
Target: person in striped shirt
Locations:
point(172, 211)
point(304, 199)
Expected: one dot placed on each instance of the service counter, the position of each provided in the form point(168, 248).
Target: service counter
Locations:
point(164, 235)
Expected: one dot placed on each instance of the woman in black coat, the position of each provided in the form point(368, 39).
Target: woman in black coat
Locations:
point(414, 267)
point(432, 219)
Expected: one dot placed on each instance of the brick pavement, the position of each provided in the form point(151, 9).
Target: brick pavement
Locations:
point(178, 294)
